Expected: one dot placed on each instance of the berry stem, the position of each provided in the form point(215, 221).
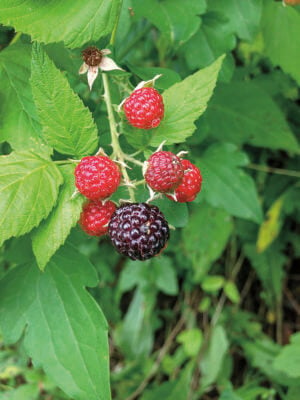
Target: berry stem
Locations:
point(133, 160)
point(117, 151)
point(271, 170)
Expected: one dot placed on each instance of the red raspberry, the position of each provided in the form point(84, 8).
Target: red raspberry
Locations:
point(97, 177)
point(95, 217)
point(164, 172)
point(190, 185)
point(144, 108)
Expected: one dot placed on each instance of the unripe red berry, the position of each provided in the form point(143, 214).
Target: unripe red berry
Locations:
point(144, 108)
point(95, 217)
point(97, 177)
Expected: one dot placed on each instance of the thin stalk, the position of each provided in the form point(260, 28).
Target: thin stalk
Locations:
point(117, 151)
point(133, 160)
point(271, 170)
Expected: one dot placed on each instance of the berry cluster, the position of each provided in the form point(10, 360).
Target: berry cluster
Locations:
point(178, 179)
point(97, 178)
point(137, 230)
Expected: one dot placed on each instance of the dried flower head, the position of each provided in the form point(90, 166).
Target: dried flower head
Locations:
point(95, 59)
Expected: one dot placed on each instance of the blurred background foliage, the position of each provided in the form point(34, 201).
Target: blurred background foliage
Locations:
point(216, 316)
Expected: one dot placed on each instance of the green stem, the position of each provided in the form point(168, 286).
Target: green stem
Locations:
point(133, 160)
point(271, 170)
point(117, 151)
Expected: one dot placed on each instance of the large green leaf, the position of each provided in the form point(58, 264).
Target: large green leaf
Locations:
point(227, 186)
point(176, 20)
point(28, 191)
point(18, 119)
point(53, 231)
point(67, 125)
point(243, 16)
point(184, 103)
point(214, 38)
point(206, 236)
point(281, 32)
point(73, 21)
point(241, 112)
point(66, 332)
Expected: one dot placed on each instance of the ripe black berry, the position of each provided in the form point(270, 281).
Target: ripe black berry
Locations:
point(138, 230)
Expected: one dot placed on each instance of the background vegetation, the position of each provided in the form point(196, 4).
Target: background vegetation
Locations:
point(216, 316)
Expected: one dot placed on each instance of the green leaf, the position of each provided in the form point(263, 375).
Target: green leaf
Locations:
point(24, 392)
point(178, 389)
point(19, 121)
point(175, 213)
point(212, 283)
point(232, 292)
point(180, 112)
point(261, 354)
point(213, 358)
point(281, 32)
point(72, 21)
point(165, 275)
point(243, 16)
point(53, 231)
point(229, 394)
point(288, 360)
point(168, 76)
point(227, 186)
point(270, 228)
point(191, 340)
point(67, 124)
point(28, 191)
point(293, 393)
point(176, 20)
point(241, 112)
point(269, 267)
point(206, 236)
point(66, 332)
point(135, 334)
point(214, 38)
